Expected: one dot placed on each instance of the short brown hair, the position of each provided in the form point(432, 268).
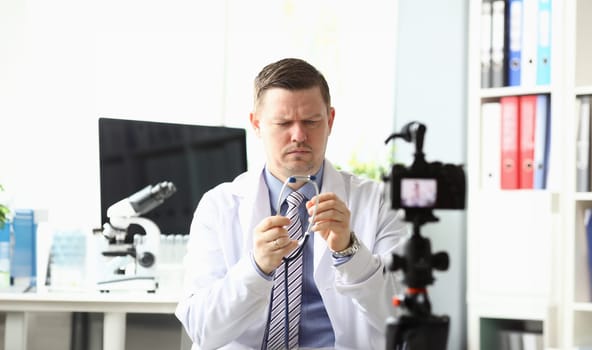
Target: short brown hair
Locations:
point(291, 74)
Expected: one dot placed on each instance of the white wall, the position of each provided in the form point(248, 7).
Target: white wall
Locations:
point(431, 89)
point(65, 63)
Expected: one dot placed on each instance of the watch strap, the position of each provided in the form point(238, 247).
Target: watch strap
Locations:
point(353, 247)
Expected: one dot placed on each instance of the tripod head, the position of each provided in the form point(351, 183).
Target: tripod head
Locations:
point(418, 189)
point(418, 261)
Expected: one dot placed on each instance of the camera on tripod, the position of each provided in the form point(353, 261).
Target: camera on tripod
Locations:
point(424, 186)
point(428, 186)
point(418, 189)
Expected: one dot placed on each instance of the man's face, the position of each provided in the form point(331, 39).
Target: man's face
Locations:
point(294, 127)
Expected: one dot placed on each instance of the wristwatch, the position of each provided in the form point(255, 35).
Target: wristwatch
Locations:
point(353, 247)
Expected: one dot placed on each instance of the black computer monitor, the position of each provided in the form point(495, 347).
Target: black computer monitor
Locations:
point(134, 154)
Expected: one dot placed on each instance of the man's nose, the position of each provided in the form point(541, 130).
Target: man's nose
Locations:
point(298, 132)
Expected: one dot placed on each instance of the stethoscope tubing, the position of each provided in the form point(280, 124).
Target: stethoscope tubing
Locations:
point(292, 179)
point(294, 255)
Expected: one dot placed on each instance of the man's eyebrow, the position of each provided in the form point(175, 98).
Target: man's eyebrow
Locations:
point(279, 118)
point(315, 116)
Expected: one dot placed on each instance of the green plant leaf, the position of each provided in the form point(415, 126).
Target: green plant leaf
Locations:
point(4, 211)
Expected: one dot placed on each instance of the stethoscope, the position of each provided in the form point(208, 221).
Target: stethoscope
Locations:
point(293, 179)
point(296, 253)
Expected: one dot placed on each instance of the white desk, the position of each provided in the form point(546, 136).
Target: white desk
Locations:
point(113, 305)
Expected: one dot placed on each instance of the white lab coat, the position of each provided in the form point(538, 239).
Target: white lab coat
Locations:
point(225, 301)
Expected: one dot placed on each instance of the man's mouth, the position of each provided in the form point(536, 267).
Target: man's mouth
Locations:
point(299, 150)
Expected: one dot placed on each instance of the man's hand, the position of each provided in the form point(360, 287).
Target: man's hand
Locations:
point(272, 243)
point(332, 220)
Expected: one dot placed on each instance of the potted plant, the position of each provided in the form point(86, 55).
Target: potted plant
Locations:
point(371, 169)
point(4, 212)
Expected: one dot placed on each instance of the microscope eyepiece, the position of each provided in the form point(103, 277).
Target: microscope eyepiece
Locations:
point(150, 196)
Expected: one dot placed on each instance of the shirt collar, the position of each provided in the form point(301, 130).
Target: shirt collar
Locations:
point(274, 186)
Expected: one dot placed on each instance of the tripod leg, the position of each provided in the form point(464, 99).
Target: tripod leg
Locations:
point(418, 333)
point(396, 334)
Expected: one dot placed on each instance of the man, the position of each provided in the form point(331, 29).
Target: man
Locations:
point(239, 238)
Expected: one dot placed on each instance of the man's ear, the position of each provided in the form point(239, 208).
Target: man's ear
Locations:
point(331, 118)
point(254, 123)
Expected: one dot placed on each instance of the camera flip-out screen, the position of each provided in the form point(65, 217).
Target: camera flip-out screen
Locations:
point(433, 186)
point(418, 193)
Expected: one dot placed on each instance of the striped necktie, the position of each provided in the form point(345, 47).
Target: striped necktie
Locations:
point(276, 338)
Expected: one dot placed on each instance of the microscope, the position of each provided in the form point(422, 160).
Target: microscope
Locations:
point(418, 190)
point(132, 266)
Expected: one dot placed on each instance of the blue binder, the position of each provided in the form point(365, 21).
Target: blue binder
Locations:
point(515, 14)
point(588, 224)
point(541, 142)
point(544, 43)
point(5, 254)
point(23, 264)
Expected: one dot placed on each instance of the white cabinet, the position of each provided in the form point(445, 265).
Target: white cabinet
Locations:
point(527, 267)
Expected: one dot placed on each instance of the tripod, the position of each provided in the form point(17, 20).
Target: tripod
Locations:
point(417, 328)
point(444, 187)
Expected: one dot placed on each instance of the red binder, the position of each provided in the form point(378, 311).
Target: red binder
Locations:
point(526, 150)
point(509, 142)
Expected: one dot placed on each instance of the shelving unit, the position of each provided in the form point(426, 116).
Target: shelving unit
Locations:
point(516, 238)
point(527, 250)
point(577, 296)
